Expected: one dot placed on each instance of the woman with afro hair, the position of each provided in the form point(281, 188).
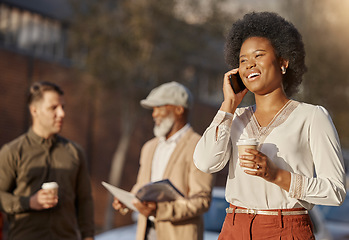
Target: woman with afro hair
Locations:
point(298, 161)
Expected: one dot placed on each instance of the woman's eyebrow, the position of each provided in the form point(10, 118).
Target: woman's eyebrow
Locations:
point(257, 50)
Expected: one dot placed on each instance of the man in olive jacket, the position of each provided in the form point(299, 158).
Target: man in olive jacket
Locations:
point(41, 155)
point(170, 156)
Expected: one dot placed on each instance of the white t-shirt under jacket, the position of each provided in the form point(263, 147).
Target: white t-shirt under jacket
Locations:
point(300, 139)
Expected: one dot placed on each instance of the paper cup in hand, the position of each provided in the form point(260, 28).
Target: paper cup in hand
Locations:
point(243, 144)
point(51, 186)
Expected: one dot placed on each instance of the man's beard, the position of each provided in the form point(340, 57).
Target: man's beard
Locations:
point(165, 127)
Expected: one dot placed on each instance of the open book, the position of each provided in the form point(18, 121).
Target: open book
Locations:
point(159, 191)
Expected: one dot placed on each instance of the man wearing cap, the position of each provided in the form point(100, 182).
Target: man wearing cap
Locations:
point(170, 156)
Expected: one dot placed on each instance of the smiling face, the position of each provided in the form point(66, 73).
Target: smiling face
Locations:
point(259, 67)
point(48, 114)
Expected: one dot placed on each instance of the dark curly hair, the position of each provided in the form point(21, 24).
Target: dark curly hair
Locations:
point(283, 36)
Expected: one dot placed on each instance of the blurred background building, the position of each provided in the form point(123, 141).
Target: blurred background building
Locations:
point(107, 55)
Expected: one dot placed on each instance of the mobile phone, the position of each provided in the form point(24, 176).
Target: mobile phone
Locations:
point(236, 83)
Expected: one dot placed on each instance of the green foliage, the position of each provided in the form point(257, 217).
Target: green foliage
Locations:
point(139, 42)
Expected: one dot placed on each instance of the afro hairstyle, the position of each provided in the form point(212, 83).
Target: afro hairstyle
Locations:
point(284, 37)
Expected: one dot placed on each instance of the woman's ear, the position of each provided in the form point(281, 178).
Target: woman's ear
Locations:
point(283, 63)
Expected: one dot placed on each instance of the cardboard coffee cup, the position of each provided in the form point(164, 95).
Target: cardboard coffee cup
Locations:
point(51, 186)
point(243, 144)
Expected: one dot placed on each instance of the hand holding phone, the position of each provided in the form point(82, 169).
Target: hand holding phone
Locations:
point(236, 83)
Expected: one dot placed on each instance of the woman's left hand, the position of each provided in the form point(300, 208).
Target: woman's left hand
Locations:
point(263, 167)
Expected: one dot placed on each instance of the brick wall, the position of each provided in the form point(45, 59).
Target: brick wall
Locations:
point(13, 85)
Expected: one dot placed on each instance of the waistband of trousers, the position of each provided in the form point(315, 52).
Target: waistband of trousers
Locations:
point(273, 212)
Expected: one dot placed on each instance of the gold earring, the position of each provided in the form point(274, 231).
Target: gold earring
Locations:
point(283, 70)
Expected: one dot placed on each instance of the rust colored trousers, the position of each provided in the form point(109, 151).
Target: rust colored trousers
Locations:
point(242, 226)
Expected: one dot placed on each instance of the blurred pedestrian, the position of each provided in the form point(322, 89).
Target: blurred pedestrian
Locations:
point(170, 156)
point(298, 161)
point(38, 156)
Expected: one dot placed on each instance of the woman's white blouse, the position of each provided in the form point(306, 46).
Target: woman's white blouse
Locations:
point(300, 139)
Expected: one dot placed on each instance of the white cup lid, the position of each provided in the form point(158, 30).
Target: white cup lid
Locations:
point(250, 141)
point(49, 185)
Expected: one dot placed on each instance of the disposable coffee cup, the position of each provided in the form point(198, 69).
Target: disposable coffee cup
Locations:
point(244, 144)
point(50, 186)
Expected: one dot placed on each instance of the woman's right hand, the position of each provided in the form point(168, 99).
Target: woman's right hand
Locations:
point(231, 100)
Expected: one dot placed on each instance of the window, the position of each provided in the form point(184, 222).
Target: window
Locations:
point(31, 32)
